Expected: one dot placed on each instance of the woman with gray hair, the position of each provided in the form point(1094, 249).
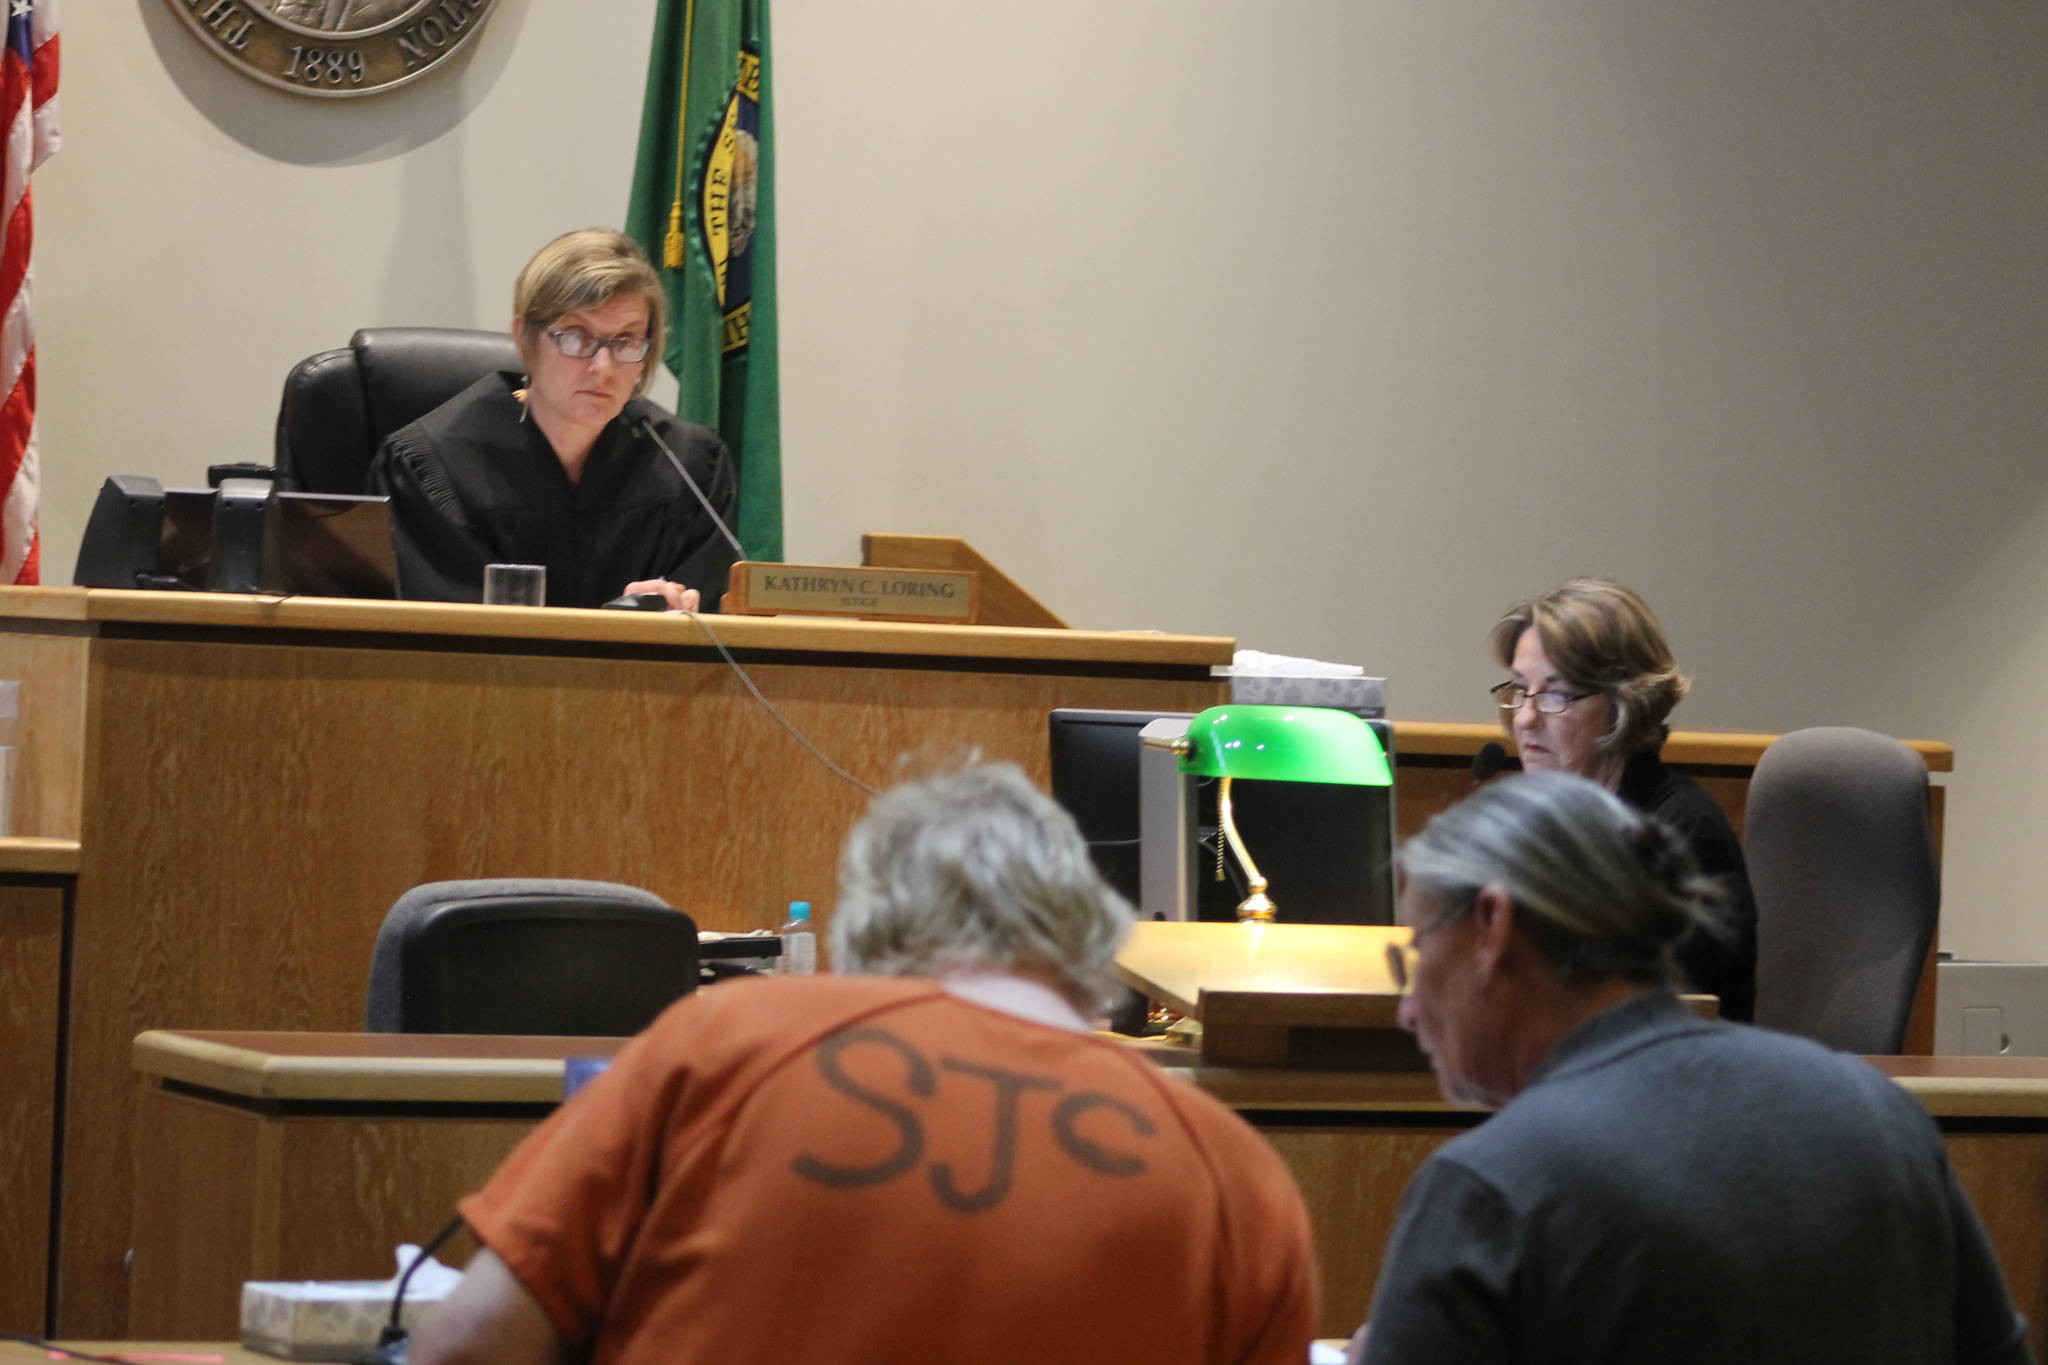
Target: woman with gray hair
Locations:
point(1590, 687)
point(1656, 1186)
point(940, 1154)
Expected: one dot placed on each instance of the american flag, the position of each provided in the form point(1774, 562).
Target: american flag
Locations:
point(28, 111)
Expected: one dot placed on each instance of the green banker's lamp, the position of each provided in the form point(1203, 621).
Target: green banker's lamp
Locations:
point(1276, 744)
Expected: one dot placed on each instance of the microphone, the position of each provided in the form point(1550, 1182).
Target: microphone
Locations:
point(1492, 758)
point(691, 484)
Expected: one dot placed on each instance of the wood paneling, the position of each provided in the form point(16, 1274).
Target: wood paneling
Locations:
point(31, 951)
point(315, 1190)
point(1352, 1180)
point(225, 1194)
point(2006, 1176)
point(1003, 599)
point(50, 730)
point(1684, 749)
point(255, 803)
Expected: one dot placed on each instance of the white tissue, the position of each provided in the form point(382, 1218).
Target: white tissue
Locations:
point(1256, 663)
point(333, 1319)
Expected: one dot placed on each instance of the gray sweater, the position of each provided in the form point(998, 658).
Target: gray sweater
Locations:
point(1670, 1189)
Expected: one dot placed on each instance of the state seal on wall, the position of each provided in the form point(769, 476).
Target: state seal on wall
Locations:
point(334, 48)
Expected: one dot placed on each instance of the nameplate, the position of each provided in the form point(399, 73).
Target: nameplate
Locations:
point(940, 595)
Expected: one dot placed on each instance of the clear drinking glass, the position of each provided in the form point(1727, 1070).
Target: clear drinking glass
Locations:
point(515, 585)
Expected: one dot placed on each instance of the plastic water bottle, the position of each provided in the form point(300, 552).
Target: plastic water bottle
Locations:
point(799, 942)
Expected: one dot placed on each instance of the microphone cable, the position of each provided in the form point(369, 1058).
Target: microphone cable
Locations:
point(647, 425)
point(391, 1346)
point(769, 706)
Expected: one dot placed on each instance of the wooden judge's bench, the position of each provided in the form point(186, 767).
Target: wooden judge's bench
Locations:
point(222, 795)
point(238, 789)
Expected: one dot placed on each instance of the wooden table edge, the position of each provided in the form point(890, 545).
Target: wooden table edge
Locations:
point(1722, 748)
point(569, 625)
point(258, 1075)
point(30, 856)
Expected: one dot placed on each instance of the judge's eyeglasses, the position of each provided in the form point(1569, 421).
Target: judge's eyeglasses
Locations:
point(578, 344)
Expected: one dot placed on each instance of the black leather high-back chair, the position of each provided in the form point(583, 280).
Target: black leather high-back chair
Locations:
point(532, 956)
point(339, 405)
point(1841, 858)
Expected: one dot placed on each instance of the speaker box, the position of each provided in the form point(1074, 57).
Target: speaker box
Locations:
point(120, 545)
point(245, 554)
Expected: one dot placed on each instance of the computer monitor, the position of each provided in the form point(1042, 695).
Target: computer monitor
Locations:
point(316, 544)
point(1326, 849)
point(1095, 777)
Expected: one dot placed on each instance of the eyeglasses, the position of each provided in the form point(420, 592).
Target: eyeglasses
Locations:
point(578, 344)
point(1510, 696)
point(1403, 957)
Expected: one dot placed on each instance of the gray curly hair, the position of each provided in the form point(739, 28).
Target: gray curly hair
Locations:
point(976, 870)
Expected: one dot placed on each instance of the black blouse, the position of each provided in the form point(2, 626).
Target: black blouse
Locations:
point(1723, 965)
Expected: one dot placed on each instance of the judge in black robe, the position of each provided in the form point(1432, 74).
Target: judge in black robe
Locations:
point(471, 484)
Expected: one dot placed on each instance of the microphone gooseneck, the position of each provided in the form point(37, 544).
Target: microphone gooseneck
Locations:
point(691, 484)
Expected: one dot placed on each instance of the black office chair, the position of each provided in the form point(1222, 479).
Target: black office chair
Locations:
point(1841, 858)
point(529, 956)
point(339, 405)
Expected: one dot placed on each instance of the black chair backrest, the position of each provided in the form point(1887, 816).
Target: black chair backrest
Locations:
point(505, 957)
point(1841, 858)
point(339, 405)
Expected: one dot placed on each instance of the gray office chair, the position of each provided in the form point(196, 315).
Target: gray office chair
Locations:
point(532, 956)
point(1841, 857)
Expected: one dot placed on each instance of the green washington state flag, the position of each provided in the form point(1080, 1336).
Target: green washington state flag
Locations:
point(704, 208)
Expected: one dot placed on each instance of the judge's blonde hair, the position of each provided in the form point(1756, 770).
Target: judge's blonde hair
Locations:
point(585, 269)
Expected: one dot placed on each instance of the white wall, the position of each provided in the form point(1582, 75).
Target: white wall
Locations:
point(1331, 324)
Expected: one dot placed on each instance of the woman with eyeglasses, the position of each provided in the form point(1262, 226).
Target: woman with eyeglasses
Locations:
point(1655, 1186)
point(1590, 684)
point(561, 466)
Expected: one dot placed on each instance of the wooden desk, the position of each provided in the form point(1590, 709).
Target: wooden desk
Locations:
point(226, 1352)
point(254, 781)
point(36, 877)
point(1353, 1141)
point(318, 1153)
point(1435, 763)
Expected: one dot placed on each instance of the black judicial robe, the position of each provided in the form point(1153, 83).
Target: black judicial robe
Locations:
point(470, 484)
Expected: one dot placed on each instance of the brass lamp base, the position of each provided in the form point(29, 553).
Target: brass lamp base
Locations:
point(1256, 908)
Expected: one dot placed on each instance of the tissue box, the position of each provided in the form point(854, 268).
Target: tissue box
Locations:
point(1365, 697)
point(322, 1319)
